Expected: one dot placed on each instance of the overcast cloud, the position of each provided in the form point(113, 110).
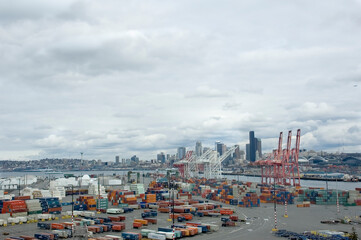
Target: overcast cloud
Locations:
point(138, 77)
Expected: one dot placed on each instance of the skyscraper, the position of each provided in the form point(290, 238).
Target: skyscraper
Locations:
point(237, 153)
point(259, 149)
point(117, 160)
point(205, 149)
point(247, 152)
point(199, 149)
point(220, 148)
point(181, 152)
point(254, 148)
point(161, 157)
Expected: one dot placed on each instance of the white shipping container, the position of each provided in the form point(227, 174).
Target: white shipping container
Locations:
point(32, 201)
point(62, 234)
point(4, 216)
point(32, 217)
point(213, 227)
point(156, 236)
point(23, 219)
point(13, 220)
point(3, 222)
point(115, 210)
point(129, 196)
point(115, 182)
point(76, 213)
point(44, 216)
point(88, 214)
point(20, 214)
point(113, 237)
point(168, 235)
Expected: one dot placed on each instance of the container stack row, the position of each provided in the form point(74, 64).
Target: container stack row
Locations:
point(50, 205)
point(116, 197)
point(34, 206)
point(16, 208)
point(88, 201)
point(250, 200)
point(323, 197)
point(102, 203)
point(354, 198)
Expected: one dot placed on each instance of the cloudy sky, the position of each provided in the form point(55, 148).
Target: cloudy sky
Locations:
point(120, 77)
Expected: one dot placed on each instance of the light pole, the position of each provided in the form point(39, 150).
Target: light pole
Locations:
point(173, 209)
point(72, 210)
point(19, 185)
point(275, 208)
point(338, 204)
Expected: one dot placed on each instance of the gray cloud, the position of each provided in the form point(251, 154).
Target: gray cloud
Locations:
point(123, 78)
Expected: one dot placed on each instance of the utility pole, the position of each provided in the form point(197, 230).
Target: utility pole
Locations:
point(72, 210)
point(275, 208)
point(19, 186)
point(173, 210)
point(98, 187)
point(338, 204)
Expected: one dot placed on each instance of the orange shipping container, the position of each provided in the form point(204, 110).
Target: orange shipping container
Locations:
point(57, 226)
point(137, 224)
point(142, 221)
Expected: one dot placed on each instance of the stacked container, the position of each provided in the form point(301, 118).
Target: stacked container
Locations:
point(250, 200)
point(150, 198)
point(354, 198)
point(119, 196)
point(50, 205)
point(80, 206)
point(323, 197)
point(89, 201)
point(284, 196)
point(16, 208)
point(137, 188)
point(34, 206)
point(330, 197)
point(102, 203)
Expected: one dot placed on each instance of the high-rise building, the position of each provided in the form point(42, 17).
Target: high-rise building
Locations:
point(117, 160)
point(134, 159)
point(205, 149)
point(259, 149)
point(181, 153)
point(220, 148)
point(161, 157)
point(237, 153)
point(254, 148)
point(247, 152)
point(199, 150)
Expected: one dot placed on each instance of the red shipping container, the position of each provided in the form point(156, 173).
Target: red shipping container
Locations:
point(22, 198)
point(151, 220)
point(28, 237)
point(57, 226)
point(137, 225)
point(117, 228)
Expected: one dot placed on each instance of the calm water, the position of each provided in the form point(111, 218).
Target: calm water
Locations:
point(304, 183)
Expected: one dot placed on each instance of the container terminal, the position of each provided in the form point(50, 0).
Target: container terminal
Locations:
point(147, 207)
point(192, 200)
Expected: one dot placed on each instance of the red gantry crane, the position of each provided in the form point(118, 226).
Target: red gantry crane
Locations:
point(282, 166)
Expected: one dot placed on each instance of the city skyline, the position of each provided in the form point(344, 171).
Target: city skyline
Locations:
point(139, 78)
